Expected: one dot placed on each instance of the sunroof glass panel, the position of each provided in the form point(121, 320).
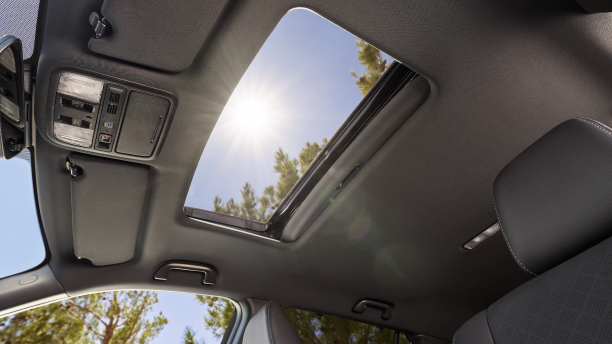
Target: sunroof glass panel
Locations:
point(303, 84)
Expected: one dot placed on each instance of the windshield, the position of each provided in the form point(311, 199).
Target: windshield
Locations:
point(21, 244)
point(134, 316)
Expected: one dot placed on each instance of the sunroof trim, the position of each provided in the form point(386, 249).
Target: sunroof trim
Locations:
point(392, 81)
point(263, 235)
point(227, 219)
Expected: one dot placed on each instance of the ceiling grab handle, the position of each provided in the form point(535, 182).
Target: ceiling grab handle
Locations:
point(210, 275)
point(387, 309)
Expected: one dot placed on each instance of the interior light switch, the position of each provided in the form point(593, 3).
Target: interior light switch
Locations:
point(105, 138)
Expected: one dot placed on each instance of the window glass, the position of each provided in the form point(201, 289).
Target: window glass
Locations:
point(21, 242)
point(18, 18)
point(142, 317)
point(305, 81)
point(324, 329)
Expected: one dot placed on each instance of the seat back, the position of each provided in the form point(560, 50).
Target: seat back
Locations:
point(270, 325)
point(554, 204)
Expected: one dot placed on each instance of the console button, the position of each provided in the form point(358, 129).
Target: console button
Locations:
point(105, 138)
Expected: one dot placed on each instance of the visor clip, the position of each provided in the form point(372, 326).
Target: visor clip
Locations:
point(98, 23)
point(74, 169)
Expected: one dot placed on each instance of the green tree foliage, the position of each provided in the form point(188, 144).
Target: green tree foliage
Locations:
point(248, 207)
point(289, 173)
point(220, 312)
point(325, 329)
point(375, 66)
point(309, 153)
point(49, 324)
point(103, 318)
point(311, 327)
point(230, 207)
point(261, 208)
point(189, 336)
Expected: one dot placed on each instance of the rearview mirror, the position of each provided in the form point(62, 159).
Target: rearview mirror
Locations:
point(14, 124)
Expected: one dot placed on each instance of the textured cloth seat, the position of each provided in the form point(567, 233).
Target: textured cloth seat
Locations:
point(554, 203)
point(270, 325)
point(572, 303)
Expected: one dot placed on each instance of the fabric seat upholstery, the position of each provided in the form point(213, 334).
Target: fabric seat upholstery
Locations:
point(270, 325)
point(554, 204)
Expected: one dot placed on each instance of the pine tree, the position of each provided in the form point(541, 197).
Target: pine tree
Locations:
point(309, 153)
point(372, 59)
point(189, 336)
point(230, 207)
point(324, 329)
point(103, 318)
point(260, 209)
point(248, 207)
point(289, 170)
point(288, 173)
point(311, 327)
point(220, 313)
point(267, 203)
point(49, 324)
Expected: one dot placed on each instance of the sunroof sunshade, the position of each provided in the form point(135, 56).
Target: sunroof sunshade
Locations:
point(18, 18)
point(303, 84)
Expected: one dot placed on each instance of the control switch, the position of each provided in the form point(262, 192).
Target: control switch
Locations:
point(105, 138)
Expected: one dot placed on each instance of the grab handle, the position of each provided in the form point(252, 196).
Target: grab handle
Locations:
point(387, 309)
point(210, 276)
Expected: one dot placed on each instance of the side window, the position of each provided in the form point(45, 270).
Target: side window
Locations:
point(141, 317)
point(22, 246)
point(318, 328)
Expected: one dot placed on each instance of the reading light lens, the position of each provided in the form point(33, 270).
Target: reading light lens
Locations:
point(489, 232)
point(80, 87)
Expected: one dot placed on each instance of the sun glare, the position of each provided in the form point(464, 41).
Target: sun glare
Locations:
point(251, 116)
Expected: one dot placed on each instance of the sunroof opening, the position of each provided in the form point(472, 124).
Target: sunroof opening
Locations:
point(299, 90)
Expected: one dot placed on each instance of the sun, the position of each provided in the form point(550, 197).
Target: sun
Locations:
point(251, 116)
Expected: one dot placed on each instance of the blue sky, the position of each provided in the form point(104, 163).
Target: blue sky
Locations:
point(181, 310)
point(298, 89)
point(21, 247)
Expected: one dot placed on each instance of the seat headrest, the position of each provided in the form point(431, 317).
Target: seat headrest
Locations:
point(554, 200)
point(270, 325)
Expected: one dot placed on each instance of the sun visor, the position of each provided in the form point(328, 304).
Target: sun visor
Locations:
point(108, 198)
point(155, 33)
point(595, 6)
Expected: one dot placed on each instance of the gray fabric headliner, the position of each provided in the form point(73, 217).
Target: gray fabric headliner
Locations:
point(503, 72)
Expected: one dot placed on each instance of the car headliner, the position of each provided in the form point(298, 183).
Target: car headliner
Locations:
point(501, 72)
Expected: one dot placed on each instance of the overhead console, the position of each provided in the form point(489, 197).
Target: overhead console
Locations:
point(93, 113)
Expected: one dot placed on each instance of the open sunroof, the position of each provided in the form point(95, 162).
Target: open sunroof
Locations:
point(296, 96)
